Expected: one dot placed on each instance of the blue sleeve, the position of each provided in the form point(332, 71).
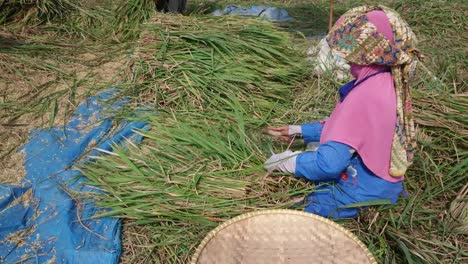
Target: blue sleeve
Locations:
point(325, 164)
point(311, 132)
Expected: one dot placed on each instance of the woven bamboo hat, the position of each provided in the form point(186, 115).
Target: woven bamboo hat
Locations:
point(281, 236)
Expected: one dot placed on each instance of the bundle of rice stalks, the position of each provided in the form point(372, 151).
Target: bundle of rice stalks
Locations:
point(194, 63)
point(35, 11)
point(193, 171)
point(129, 15)
point(93, 21)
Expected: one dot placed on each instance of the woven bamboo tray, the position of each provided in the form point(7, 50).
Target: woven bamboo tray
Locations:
point(281, 236)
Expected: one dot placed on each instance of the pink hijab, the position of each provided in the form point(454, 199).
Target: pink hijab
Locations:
point(366, 119)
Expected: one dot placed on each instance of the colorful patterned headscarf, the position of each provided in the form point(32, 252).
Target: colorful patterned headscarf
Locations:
point(358, 41)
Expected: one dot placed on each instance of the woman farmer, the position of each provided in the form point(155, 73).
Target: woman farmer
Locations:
point(367, 143)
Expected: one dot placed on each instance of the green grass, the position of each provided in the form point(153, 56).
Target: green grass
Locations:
point(211, 90)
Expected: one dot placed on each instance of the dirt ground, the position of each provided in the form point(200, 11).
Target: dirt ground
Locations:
point(20, 95)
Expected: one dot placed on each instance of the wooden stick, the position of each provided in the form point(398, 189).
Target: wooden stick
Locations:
point(330, 23)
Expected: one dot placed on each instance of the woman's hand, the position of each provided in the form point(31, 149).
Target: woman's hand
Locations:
point(284, 133)
point(281, 133)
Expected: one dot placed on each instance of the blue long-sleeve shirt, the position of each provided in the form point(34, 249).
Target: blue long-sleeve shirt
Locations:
point(328, 162)
point(325, 164)
point(311, 132)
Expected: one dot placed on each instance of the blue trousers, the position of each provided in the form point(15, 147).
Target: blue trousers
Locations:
point(356, 185)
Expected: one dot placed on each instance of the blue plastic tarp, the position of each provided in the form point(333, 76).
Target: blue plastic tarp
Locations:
point(267, 12)
point(42, 220)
